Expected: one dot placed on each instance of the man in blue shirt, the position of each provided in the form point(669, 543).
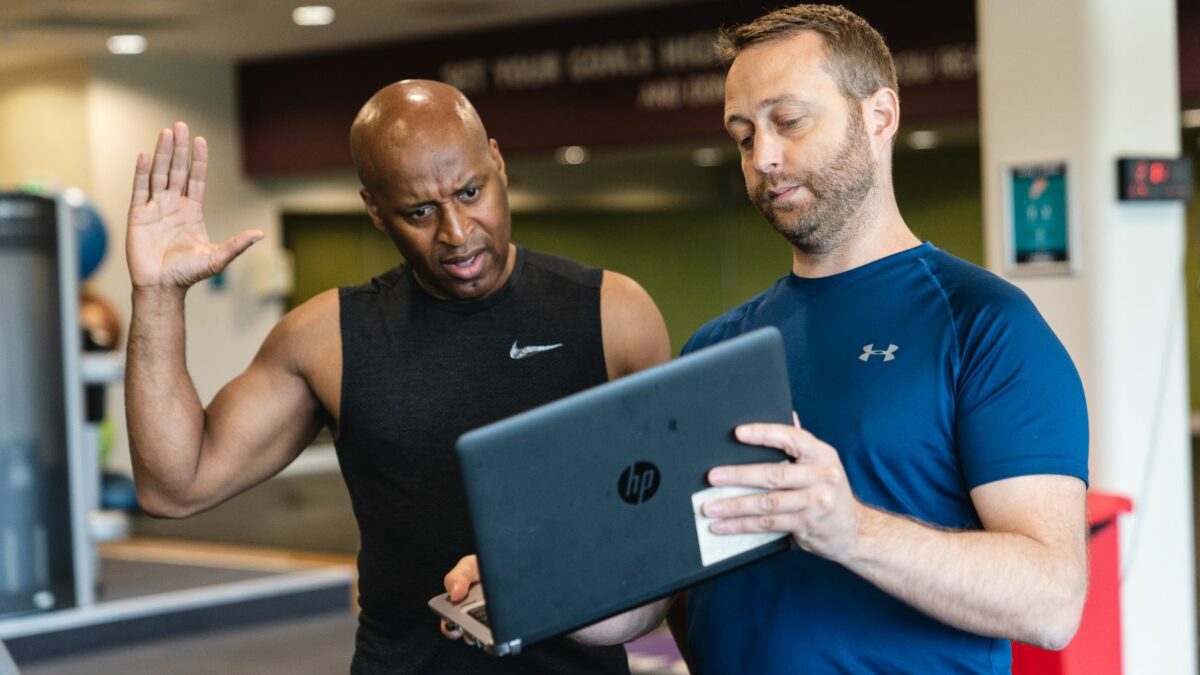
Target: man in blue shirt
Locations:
point(936, 488)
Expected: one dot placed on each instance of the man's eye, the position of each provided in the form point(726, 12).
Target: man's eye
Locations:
point(420, 212)
point(746, 143)
point(469, 193)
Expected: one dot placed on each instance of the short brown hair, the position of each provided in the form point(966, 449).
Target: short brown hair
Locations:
point(856, 55)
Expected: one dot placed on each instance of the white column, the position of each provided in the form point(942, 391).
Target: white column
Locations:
point(1087, 81)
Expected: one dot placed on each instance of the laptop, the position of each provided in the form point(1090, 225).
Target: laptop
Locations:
point(588, 506)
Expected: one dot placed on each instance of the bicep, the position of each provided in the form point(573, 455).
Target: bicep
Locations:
point(635, 335)
point(257, 424)
point(1051, 509)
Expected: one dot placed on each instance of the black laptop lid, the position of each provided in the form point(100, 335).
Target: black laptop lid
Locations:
point(582, 508)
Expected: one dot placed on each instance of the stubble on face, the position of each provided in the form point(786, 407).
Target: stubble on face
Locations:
point(838, 187)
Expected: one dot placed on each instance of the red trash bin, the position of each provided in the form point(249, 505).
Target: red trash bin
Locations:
point(1096, 648)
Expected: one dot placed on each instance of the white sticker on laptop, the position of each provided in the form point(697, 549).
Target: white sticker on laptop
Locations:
point(717, 547)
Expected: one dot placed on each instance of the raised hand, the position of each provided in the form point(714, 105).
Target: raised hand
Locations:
point(166, 244)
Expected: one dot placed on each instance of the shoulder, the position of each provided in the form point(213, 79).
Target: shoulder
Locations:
point(1020, 407)
point(620, 290)
point(624, 301)
point(731, 323)
point(635, 335)
point(985, 310)
point(970, 290)
point(562, 268)
point(387, 280)
point(1002, 338)
point(308, 332)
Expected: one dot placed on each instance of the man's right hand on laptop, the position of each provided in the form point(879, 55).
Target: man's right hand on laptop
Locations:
point(613, 630)
point(458, 582)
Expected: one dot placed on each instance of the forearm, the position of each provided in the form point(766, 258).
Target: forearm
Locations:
point(624, 627)
point(992, 583)
point(163, 411)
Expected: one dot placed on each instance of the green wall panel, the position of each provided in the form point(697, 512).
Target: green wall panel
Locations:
point(332, 250)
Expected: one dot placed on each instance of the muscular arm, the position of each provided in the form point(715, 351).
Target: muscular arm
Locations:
point(1023, 577)
point(188, 459)
point(185, 458)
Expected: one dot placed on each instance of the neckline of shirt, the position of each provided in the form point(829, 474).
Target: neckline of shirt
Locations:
point(471, 306)
point(817, 285)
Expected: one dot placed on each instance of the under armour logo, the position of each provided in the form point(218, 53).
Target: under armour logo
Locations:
point(869, 351)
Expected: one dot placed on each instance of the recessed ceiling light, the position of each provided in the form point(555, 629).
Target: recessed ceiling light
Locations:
point(924, 140)
point(126, 44)
point(571, 154)
point(313, 15)
point(1191, 118)
point(708, 156)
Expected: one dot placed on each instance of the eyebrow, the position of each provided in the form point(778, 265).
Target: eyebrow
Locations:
point(767, 103)
point(472, 179)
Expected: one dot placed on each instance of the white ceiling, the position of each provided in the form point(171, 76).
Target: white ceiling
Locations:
point(33, 31)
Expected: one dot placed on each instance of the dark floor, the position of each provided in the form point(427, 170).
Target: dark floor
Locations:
point(179, 635)
point(319, 645)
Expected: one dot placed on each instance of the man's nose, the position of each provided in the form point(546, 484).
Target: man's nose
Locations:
point(767, 154)
point(455, 228)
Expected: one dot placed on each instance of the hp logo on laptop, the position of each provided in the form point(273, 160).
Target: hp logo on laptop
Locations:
point(639, 481)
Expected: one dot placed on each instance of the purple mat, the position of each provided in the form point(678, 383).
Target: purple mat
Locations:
point(655, 653)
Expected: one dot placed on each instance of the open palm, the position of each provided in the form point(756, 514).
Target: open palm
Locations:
point(167, 243)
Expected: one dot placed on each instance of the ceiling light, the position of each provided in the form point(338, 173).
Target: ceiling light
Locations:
point(313, 15)
point(126, 44)
point(924, 139)
point(1191, 118)
point(571, 154)
point(708, 156)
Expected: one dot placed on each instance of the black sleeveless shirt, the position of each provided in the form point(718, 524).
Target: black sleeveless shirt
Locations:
point(416, 373)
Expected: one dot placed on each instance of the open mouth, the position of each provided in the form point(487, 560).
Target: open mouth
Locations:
point(464, 266)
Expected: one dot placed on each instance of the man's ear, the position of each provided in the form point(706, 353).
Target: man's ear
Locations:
point(494, 149)
point(372, 209)
point(881, 115)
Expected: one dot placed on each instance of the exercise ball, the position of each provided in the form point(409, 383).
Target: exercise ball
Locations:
point(91, 237)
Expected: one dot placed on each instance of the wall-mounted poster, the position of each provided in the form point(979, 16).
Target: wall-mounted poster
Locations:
point(1038, 219)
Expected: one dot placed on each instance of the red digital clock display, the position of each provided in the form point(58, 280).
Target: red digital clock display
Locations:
point(1154, 179)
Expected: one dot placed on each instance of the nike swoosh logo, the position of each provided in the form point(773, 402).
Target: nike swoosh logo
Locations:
point(529, 350)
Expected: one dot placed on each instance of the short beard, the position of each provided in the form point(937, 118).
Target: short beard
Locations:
point(838, 189)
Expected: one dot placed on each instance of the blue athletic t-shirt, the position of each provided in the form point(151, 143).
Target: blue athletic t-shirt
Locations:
point(930, 376)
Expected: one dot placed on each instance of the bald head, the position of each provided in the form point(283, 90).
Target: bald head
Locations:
point(435, 183)
point(407, 117)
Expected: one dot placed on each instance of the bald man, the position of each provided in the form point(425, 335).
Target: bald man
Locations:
point(470, 329)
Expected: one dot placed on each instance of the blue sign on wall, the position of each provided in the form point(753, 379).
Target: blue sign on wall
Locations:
point(1039, 222)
